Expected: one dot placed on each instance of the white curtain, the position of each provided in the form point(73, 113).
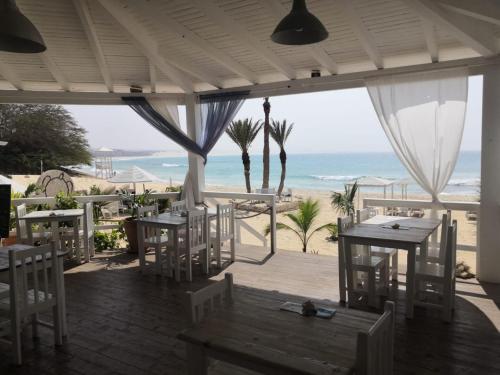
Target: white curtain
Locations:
point(168, 108)
point(423, 117)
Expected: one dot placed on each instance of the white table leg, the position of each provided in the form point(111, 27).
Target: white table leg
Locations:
point(76, 240)
point(177, 259)
point(140, 242)
point(410, 280)
point(63, 297)
point(342, 280)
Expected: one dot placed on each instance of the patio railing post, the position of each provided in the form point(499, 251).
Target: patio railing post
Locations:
point(273, 225)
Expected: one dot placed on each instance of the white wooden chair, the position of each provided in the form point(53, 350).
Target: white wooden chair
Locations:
point(41, 236)
point(193, 242)
point(35, 287)
point(366, 274)
point(85, 233)
point(391, 255)
point(437, 254)
point(431, 275)
point(178, 206)
point(153, 237)
point(224, 231)
point(205, 301)
point(375, 348)
point(287, 196)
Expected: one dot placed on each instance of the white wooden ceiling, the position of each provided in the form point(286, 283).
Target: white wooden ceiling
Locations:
point(177, 46)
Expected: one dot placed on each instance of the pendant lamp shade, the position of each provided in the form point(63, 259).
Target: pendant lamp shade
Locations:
point(299, 27)
point(17, 33)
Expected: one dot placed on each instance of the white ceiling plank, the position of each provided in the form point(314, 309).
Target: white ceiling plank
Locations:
point(82, 9)
point(430, 39)
point(240, 33)
point(484, 10)
point(363, 34)
point(55, 71)
point(11, 76)
point(471, 33)
point(175, 69)
point(195, 40)
point(316, 50)
point(152, 77)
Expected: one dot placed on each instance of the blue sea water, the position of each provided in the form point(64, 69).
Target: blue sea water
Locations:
point(308, 171)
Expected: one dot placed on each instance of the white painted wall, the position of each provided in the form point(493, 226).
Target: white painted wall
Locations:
point(488, 255)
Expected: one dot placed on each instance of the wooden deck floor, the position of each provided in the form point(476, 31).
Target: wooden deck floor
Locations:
point(122, 322)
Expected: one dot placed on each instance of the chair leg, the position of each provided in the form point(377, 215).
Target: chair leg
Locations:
point(395, 264)
point(34, 326)
point(218, 254)
point(233, 249)
point(158, 263)
point(16, 343)
point(56, 314)
point(189, 271)
point(372, 288)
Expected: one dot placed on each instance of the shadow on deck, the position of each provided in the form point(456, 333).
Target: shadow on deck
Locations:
point(123, 322)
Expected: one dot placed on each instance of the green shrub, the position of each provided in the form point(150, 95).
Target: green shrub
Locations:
point(106, 241)
point(65, 201)
point(334, 232)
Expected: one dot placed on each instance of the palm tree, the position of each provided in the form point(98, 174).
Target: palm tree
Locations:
point(279, 132)
point(344, 202)
point(303, 220)
point(243, 133)
point(265, 153)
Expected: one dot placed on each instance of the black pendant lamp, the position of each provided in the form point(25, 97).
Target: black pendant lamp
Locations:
point(299, 27)
point(17, 33)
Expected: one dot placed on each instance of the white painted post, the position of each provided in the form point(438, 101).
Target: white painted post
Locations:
point(273, 225)
point(196, 166)
point(488, 255)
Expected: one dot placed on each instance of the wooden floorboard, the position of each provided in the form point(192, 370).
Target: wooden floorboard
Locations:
point(123, 322)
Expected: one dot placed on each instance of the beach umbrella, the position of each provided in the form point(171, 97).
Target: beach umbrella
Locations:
point(14, 186)
point(134, 175)
point(370, 181)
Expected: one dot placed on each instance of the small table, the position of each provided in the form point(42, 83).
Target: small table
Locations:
point(373, 232)
point(172, 222)
point(255, 334)
point(4, 273)
point(55, 217)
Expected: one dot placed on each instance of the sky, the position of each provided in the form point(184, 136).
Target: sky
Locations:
point(326, 122)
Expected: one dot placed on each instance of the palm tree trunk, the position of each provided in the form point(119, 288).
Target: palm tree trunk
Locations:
point(265, 156)
point(283, 171)
point(246, 168)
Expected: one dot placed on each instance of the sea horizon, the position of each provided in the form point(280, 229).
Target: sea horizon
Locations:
point(318, 171)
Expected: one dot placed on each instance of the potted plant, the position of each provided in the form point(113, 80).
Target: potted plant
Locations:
point(134, 201)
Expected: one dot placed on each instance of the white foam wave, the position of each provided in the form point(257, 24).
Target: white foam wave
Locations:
point(464, 182)
point(334, 178)
point(167, 165)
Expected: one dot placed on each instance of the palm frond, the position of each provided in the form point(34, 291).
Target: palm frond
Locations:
point(280, 131)
point(244, 132)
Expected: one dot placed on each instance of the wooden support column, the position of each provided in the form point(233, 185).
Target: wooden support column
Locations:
point(488, 253)
point(196, 166)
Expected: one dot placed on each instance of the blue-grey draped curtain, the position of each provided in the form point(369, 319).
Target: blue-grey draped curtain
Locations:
point(140, 105)
point(217, 111)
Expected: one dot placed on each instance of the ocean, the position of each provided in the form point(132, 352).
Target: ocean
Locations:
point(308, 171)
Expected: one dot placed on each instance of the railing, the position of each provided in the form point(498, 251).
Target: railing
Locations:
point(212, 196)
point(422, 204)
point(91, 198)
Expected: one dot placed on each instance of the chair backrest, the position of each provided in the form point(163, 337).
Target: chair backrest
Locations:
point(375, 348)
point(33, 278)
point(178, 206)
point(225, 222)
point(145, 211)
point(445, 223)
point(344, 223)
point(365, 214)
point(198, 230)
point(21, 231)
point(451, 252)
point(88, 221)
point(205, 301)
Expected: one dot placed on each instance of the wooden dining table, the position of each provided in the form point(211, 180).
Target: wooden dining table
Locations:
point(4, 274)
point(54, 217)
point(254, 333)
point(173, 222)
point(377, 231)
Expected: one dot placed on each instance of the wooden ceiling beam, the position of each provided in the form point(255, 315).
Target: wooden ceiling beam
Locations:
point(243, 36)
point(472, 33)
point(363, 34)
point(55, 71)
point(82, 9)
point(152, 77)
point(11, 76)
point(430, 39)
point(149, 48)
point(484, 10)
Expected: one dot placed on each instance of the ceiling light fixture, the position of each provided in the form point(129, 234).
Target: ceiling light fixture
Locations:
point(17, 33)
point(299, 27)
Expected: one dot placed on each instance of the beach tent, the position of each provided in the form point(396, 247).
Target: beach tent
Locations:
point(14, 186)
point(403, 183)
point(369, 181)
point(134, 175)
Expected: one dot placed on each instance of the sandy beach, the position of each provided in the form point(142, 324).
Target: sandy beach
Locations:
point(288, 240)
